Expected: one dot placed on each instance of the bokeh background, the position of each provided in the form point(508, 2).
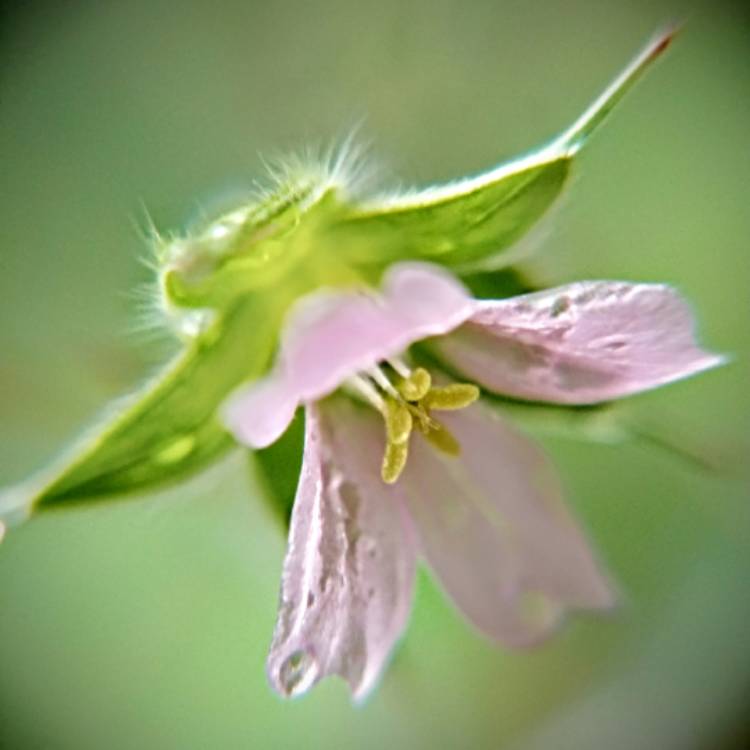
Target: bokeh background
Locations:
point(145, 624)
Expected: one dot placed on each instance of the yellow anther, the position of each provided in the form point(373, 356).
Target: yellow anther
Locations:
point(442, 439)
point(398, 421)
point(410, 407)
point(394, 461)
point(416, 386)
point(451, 397)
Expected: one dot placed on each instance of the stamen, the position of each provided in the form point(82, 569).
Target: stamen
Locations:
point(381, 380)
point(364, 388)
point(398, 421)
point(451, 397)
point(442, 439)
point(424, 421)
point(407, 404)
point(394, 461)
point(416, 386)
point(400, 366)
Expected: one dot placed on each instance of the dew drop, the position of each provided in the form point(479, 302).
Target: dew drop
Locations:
point(559, 306)
point(297, 673)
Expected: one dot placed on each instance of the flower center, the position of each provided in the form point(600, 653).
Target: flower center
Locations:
point(406, 398)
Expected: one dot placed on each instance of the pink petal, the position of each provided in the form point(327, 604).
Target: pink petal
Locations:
point(494, 529)
point(258, 415)
point(579, 344)
point(348, 575)
point(330, 336)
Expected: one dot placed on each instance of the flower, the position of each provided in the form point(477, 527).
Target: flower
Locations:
point(475, 500)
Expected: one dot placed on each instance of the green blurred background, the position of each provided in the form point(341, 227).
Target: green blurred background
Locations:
point(145, 624)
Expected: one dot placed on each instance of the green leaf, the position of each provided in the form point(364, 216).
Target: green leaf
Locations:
point(471, 222)
point(170, 429)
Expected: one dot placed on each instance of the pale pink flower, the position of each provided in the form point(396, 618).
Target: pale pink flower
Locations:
point(490, 522)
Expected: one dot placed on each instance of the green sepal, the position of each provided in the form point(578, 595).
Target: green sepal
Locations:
point(462, 227)
point(262, 246)
point(171, 428)
point(278, 468)
point(597, 423)
point(473, 222)
point(611, 423)
point(505, 282)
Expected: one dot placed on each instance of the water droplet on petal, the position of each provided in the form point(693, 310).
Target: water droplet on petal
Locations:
point(297, 672)
point(560, 306)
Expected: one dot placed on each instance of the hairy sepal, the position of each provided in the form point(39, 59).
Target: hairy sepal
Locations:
point(472, 223)
point(170, 429)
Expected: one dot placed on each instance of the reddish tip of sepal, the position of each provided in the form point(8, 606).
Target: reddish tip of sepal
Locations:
point(663, 39)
